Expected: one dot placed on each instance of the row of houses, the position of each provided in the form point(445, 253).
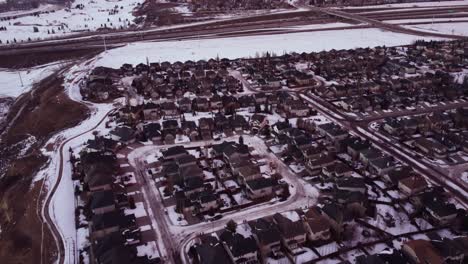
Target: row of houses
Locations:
point(322, 148)
point(276, 236)
point(440, 133)
point(113, 232)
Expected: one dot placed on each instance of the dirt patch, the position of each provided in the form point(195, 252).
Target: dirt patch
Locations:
point(26, 59)
point(42, 112)
point(152, 12)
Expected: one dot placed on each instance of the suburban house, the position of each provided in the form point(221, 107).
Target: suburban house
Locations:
point(267, 235)
point(293, 233)
point(412, 184)
point(242, 250)
point(317, 226)
point(421, 251)
point(259, 188)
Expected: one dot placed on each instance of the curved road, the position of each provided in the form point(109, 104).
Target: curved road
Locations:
point(45, 210)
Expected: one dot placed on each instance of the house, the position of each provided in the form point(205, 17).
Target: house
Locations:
point(452, 250)
point(251, 172)
point(185, 105)
point(151, 111)
point(297, 108)
point(267, 235)
point(208, 201)
point(192, 185)
point(439, 212)
point(316, 165)
point(185, 160)
point(190, 129)
point(174, 152)
point(115, 248)
point(152, 132)
point(366, 155)
point(337, 170)
point(259, 188)
point(421, 251)
point(216, 102)
point(99, 144)
point(412, 185)
point(382, 165)
point(351, 184)
point(201, 104)
point(210, 251)
point(335, 216)
point(169, 109)
point(393, 177)
point(238, 123)
point(431, 147)
point(257, 122)
point(332, 131)
point(102, 202)
point(293, 233)
point(355, 146)
point(123, 134)
point(354, 203)
point(110, 222)
point(242, 250)
point(231, 151)
point(98, 169)
point(317, 226)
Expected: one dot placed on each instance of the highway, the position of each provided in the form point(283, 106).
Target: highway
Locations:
point(382, 25)
point(242, 26)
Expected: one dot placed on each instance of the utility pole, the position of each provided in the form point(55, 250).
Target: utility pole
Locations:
point(21, 79)
point(104, 40)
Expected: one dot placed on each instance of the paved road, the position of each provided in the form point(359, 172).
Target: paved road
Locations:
point(46, 207)
point(379, 24)
point(216, 29)
point(177, 238)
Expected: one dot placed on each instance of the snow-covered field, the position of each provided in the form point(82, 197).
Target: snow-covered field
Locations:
point(446, 28)
point(421, 4)
point(113, 14)
point(251, 46)
point(10, 81)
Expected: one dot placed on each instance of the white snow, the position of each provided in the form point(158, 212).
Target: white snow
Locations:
point(291, 215)
point(10, 81)
point(421, 4)
point(176, 218)
point(139, 210)
point(446, 28)
point(65, 21)
point(305, 257)
point(236, 47)
point(149, 249)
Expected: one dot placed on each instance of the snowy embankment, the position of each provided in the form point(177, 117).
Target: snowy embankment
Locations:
point(62, 205)
point(14, 83)
point(415, 4)
point(460, 28)
point(251, 46)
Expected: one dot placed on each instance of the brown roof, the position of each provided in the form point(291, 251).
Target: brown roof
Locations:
point(414, 182)
point(318, 224)
point(425, 251)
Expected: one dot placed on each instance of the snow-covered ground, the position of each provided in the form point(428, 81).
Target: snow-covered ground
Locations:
point(10, 81)
point(422, 4)
point(236, 47)
point(113, 14)
point(446, 28)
